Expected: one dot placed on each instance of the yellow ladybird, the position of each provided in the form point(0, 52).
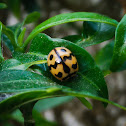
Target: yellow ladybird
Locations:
point(62, 63)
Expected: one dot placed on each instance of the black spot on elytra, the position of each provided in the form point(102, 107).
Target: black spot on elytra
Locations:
point(69, 75)
point(63, 50)
point(51, 57)
point(59, 75)
point(54, 66)
point(68, 57)
point(74, 66)
point(66, 68)
point(72, 54)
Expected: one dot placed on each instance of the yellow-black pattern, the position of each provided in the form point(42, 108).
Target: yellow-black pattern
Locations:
point(62, 63)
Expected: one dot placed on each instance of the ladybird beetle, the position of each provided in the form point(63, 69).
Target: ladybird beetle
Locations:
point(62, 63)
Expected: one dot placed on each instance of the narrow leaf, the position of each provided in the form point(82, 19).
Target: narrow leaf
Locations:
point(49, 103)
point(21, 37)
point(93, 33)
point(32, 17)
point(13, 64)
point(10, 35)
point(69, 17)
point(40, 121)
point(85, 102)
point(119, 54)
point(17, 115)
point(34, 95)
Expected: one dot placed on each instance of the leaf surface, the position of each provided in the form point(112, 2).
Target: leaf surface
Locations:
point(119, 53)
point(93, 33)
point(69, 17)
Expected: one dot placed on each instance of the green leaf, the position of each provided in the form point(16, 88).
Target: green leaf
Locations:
point(3, 6)
point(119, 54)
point(45, 104)
point(10, 36)
point(20, 80)
point(85, 102)
point(93, 33)
point(40, 121)
point(16, 29)
point(1, 55)
point(17, 115)
point(103, 57)
point(69, 17)
point(17, 32)
point(7, 42)
point(33, 95)
point(7, 64)
point(89, 81)
point(85, 81)
point(49, 103)
point(13, 64)
point(32, 17)
point(9, 33)
point(74, 38)
point(21, 37)
point(85, 61)
point(29, 57)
